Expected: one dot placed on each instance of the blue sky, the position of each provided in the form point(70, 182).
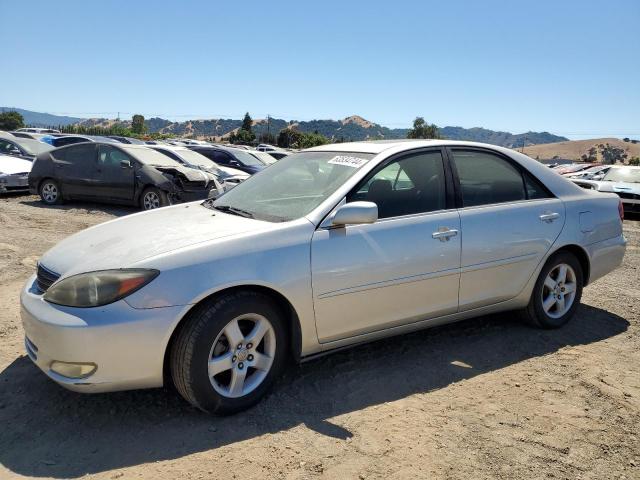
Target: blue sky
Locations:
point(569, 67)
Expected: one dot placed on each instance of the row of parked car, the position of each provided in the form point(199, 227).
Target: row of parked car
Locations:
point(623, 180)
point(123, 170)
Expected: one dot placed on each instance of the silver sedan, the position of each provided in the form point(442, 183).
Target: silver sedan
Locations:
point(327, 248)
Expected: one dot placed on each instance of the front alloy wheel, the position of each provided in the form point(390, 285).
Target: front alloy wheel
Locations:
point(242, 355)
point(153, 198)
point(229, 351)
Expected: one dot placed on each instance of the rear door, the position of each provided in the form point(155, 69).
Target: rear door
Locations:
point(509, 221)
point(75, 169)
point(115, 173)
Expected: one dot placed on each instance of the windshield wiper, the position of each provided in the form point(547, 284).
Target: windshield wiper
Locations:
point(233, 210)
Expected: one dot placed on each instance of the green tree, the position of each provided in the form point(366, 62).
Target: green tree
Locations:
point(137, 124)
point(634, 161)
point(422, 129)
point(612, 154)
point(247, 123)
point(11, 120)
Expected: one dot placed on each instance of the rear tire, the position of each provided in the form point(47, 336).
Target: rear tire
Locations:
point(229, 352)
point(153, 198)
point(50, 192)
point(557, 292)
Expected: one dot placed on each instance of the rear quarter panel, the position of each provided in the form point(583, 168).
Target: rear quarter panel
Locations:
point(593, 223)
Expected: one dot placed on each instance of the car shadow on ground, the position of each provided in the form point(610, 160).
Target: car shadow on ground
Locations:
point(117, 210)
point(48, 431)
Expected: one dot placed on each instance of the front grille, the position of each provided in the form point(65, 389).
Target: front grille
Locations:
point(630, 196)
point(45, 278)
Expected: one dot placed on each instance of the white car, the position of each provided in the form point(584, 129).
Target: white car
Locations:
point(14, 174)
point(227, 176)
point(624, 181)
point(327, 248)
point(596, 172)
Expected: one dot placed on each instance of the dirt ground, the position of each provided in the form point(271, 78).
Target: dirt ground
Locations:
point(485, 398)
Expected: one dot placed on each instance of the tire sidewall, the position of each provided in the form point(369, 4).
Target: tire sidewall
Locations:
point(207, 397)
point(542, 318)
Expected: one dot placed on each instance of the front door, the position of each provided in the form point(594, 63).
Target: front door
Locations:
point(509, 220)
point(400, 269)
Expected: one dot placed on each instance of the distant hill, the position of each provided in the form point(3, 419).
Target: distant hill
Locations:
point(37, 119)
point(573, 150)
point(504, 139)
point(352, 128)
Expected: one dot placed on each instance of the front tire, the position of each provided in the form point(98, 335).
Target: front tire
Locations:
point(557, 292)
point(50, 192)
point(153, 198)
point(229, 352)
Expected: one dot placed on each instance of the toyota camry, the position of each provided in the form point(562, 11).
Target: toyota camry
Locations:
point(327, 248)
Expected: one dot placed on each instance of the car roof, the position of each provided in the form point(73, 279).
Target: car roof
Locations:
point(379, 146)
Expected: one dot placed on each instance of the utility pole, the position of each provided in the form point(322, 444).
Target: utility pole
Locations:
point(268, 126)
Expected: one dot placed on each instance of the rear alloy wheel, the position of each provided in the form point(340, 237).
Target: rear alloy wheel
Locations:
point(229, 352)
point(557, 292)
point(153, 198)
point(50, 192)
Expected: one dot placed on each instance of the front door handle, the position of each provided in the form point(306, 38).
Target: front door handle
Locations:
point(444, 234)
point(549, 217)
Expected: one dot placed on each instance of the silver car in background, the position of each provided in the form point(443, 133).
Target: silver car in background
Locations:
point(327, 248)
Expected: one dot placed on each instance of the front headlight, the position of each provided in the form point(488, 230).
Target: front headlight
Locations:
point(94, 289)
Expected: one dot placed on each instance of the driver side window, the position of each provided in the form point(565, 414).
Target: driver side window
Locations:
point(409, 185)
point(9, 148)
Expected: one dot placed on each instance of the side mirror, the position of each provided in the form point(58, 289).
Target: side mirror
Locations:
point(125, 163)
point(355, 213)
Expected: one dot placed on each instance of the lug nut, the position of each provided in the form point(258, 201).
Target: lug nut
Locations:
point(239, 346)
point(249, 345)
point(250, 357)
point(241, 365)
point(234, 358)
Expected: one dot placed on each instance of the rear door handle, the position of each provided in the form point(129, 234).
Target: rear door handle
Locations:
point(444, 234)
point(549, 217)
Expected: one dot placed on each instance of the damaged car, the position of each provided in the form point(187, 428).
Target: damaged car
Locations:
point(13, 174)
point(117, 173)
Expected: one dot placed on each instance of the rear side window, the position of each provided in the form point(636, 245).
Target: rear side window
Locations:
point(486, 179)
point(79, 155)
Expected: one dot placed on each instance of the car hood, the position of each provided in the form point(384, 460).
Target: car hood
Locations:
point(234, 172)
point(123, 242)
point(11, 165)
point(620, 187)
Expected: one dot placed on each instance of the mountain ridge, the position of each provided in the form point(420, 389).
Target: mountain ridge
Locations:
point(351, 128)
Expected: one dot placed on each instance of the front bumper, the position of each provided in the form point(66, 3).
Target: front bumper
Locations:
point(14, 183)
point(127, 344)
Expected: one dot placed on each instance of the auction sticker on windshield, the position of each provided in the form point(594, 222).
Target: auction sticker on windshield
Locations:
point(354, 162)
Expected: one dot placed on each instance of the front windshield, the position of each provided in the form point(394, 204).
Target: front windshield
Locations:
point(292, 187)
point(149, 156)
point(195, 158)
point(245, 158)
point(263, 157)
point(623, 174)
